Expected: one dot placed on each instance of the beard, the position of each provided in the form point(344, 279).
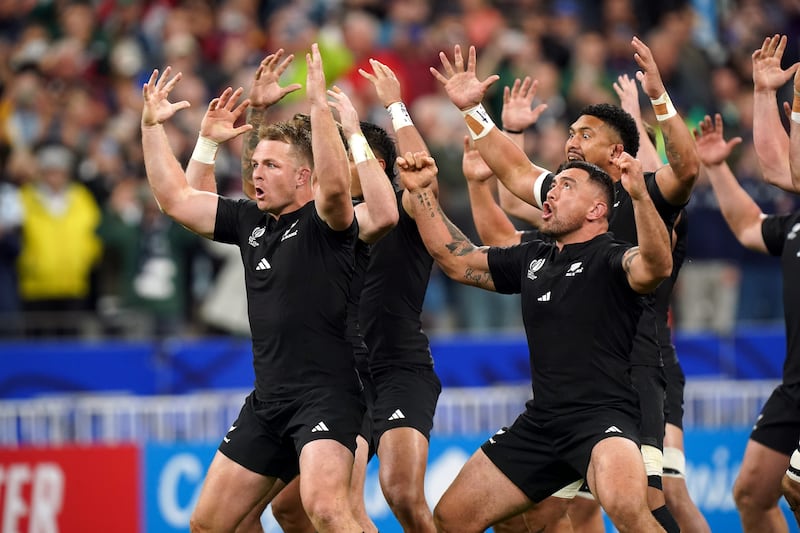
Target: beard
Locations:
point(558, 226)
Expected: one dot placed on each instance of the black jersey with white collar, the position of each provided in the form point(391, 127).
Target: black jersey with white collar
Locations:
point(580, 317)
point(394, 291)
point(781, 234)
point(646, 350)
point(298, 273)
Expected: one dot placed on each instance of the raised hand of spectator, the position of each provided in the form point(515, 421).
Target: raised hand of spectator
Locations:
point(385, 81)
point(518, 111)
point(219, 121)
point(348, 116)
point(473, 166)
point(460, 82)
point(767, 72)
point(266, 90)
point(712, 148)
point(155, 92)
point(649, 76)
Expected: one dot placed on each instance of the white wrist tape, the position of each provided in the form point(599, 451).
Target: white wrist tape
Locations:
point(359, 148)
point(663, 107)
point(478, 121)
point(399, 115)
point(205, 151)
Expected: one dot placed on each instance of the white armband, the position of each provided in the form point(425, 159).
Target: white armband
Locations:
point(205, 151)
point(399, 115)
point(663, 107)
point(478, 121)
point(359, 148)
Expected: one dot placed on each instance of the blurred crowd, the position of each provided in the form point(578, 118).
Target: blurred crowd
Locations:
point(85, 251)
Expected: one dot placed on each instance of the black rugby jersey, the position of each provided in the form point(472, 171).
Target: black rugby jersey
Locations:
point(782, 236)
point(394, 291)
point(353, 302)
point(664, 291)
point(297, 273)
point(580, 316)
point(623, 225)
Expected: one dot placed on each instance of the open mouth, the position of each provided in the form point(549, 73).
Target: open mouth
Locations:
point(574, 156)
point(547, 211)
point(259, 193)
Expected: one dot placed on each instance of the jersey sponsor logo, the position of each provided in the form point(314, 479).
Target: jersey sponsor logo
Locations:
point(319, 427)
point(397, 415)
point(574, 268)
point(257, 232)
point(289, 233)
point(226, 438)
point(544, 297)
point(534, 267)
point(500, 431)
point(263, 264)
point(613, 429)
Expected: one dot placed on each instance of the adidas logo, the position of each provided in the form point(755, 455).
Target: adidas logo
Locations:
point(613, 429)
point(263, 264)
point(226, 438)
point(397, 415)
point(544, 297)
point(319, 427)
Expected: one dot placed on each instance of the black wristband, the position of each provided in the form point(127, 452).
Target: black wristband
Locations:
point(513, 131)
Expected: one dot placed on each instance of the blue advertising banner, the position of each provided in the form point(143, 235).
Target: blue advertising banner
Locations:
point(174, 475)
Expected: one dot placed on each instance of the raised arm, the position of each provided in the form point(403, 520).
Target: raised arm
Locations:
point(628, 94)
point(194, 209)
point(770, 139)
point(508, 162)
point(676, 180)
point(518, 115)
point(265, 91)
point(217, 127)
point(794, 137)
point(650, 263)
point(331, 166)
point(377, 215)
point(740, 211)
point(492, 223)
point(453, 252)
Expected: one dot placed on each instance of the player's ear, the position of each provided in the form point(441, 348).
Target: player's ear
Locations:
point(303, 176)
point(598, 210)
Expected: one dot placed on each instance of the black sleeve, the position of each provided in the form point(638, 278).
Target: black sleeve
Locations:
point(507, 266)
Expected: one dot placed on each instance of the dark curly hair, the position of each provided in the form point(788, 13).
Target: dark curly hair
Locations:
point(620, 121)
point(382, 145)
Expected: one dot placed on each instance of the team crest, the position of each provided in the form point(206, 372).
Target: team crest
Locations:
point(534, 267)
point(257, 232)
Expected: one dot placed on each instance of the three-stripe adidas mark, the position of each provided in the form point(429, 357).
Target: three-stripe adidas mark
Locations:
point(319, 427)
point(397, 415)
point(613, 429)
point(263, 264)
point(544, 297)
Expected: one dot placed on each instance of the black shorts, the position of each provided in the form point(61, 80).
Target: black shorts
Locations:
point(267, 436)
point(540, 459)
point(650, 384)
point(778, 425)
point(367, 425)
point(405, 397)
point(676, 382)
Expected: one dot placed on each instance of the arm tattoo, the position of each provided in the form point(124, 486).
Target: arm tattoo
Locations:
point(673, 156)
point(479, 278)
point(460, 245)
point(628, 258)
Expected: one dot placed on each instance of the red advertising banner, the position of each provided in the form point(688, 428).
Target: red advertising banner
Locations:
point(73, 489)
